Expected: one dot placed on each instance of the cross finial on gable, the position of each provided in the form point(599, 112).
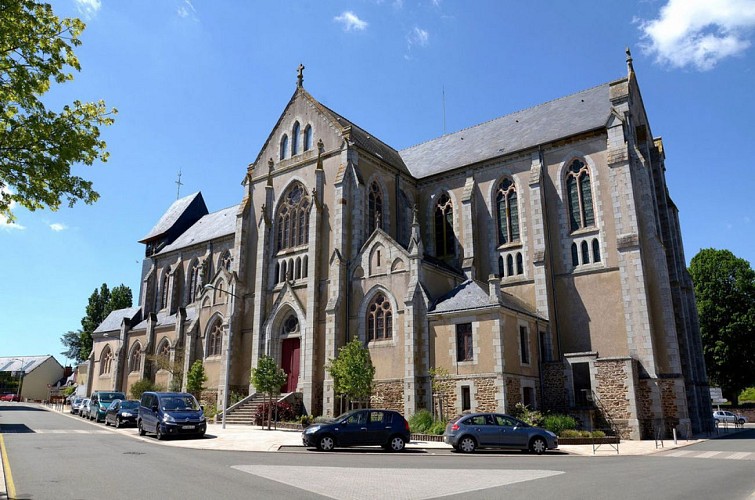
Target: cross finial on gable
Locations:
point(300, 77)
point(630, 66)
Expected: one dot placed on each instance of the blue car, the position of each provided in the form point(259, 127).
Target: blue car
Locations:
point(366, 427)
point(495, 430)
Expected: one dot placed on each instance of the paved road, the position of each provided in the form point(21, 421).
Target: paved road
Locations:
point(54, 456)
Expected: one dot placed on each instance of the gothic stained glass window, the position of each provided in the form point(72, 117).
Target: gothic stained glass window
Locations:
point(135, 360)
point(293, 218)
point(215, 342)
point(579, 196)
point(508, 212)
point(284, 146)
point(307, 138)
point(379, 319)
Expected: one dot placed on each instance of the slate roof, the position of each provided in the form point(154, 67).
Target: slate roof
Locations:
point(550, 121)
point(209, 227)
point(115, 318)
point(172, 215)
point(19, 363)
point(473, 295)
point(165, 319)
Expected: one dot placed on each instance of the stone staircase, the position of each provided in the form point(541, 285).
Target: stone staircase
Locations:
point(243, 412)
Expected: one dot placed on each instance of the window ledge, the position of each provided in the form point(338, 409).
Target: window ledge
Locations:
point(510, 246)
point(585, 231)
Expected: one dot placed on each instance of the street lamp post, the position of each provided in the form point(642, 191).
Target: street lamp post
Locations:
point(227, 347)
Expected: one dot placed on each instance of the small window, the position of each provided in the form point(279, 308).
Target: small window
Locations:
point(585, 253)
point(295, 140)
point(519, 263)
point(574, 255)
point(595, 250)
point(524, 345)
point(509, 265)
point(500, 267)
point(445, 238)
point(284, 146)
point(464, 347)
point(466, 399)
point(307, 138)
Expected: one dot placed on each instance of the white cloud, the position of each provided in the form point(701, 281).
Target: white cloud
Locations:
point(418, 36)
point(350, 21)
point(699, 33)
point(57, 227)
point(88, 8)
point(186, 9)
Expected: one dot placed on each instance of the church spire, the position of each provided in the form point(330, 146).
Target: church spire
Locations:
point(630, 67)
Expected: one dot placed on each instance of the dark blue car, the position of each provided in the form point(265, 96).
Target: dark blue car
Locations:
point(121, 412)
point(367, 427)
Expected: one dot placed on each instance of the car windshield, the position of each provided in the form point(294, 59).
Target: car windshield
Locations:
point(108, 397)
point(345, 416)
point(130, 405)
point(179, 403)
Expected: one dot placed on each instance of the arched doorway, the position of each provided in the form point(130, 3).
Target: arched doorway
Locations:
point(290, 353)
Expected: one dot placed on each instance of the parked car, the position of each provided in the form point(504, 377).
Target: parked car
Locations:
point(84, 408)
point(76, 405)
point(99, 403)
point(170, 414)
point(9, 397)
point(121, 412)
point(367, 427)
point(495, 430)
point(728, 417)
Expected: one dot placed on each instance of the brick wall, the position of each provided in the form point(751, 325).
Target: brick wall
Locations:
point(513, 392)
point(554, 388)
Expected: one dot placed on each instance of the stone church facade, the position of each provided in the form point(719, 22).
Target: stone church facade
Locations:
point(534, 258)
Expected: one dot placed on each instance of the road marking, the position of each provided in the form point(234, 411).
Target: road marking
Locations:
point(680, 453)
point(738, 456)
point(8, 487)
point(708, 454)
point(407, 484)
point(69, 431)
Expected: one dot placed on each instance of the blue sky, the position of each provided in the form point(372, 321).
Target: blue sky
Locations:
point(200, 84)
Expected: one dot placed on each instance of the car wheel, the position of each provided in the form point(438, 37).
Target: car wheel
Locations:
point(741, 421)
point(538, 445)
point(139, 426)
point(326, 443)
point(159, 433)
point(467, 444)
point(397, 443)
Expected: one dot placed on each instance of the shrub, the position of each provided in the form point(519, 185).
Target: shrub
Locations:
point(285, 413)
point(526, 415)
point(569, 433)
point(598, 434)
point(438, 428)
point(747, 395)
point(557, 423)
point(210, 410)
point(143, 386)
point(421, 422)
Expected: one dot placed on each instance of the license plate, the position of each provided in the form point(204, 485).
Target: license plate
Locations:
point(187, 427)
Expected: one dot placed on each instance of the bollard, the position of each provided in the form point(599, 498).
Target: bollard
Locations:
point(674, 431)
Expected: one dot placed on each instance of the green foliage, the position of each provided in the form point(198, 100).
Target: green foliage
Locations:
point(196, 378)
point(747, 395)
point(72, 342)
point(438, 428)
point(421, 421)
point(39, 146)
point(352, 371)
point(268, 378)
point(570, 433)
point(68, 391)
point(725, 296)
point(526, 415)
point(557, 423)
point(210, 410)
point(598, 434)
point(101, 303)
point(141, 387)
point(235, 398)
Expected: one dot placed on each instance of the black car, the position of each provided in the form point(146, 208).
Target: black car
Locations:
point(369, 427)
point(121, 412)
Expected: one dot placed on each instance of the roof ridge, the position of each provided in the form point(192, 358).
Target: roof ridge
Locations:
point(508, 114)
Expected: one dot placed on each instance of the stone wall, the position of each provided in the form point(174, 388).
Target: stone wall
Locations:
point(614, 405)
point(485, 394)
point(554, 393)
point(513, 393)
point(388, 395)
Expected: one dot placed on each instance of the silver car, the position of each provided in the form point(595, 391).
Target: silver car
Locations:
point(495, 430)
point(728, 417)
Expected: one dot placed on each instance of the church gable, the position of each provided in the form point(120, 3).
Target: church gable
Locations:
point(380, 255)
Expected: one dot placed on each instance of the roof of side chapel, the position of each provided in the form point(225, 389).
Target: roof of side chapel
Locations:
point(472, 295)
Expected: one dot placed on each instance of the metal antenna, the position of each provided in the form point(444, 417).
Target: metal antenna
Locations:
point(179, 184)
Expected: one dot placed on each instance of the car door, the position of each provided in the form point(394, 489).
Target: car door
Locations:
point(353, 431)
point(483, 428)
point(378, 427)
point(513, 434)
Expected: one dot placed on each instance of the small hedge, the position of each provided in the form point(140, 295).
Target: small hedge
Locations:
point(423, 422)
point(558, 423)
point(286, 413)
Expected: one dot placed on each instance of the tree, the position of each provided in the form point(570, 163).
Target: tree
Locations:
point(175, 367)
point(725, 295)
point(72, 342)
point(352, 371)
point(38, 146)
point(268, 379)
point(101, 303)
point(140, 387)
point(196, 378)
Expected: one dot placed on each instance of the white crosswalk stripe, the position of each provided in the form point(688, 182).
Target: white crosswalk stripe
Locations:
point(725, 455)
point(70, 431)
point(410, 484)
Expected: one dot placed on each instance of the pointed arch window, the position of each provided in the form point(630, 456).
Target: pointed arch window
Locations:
point(194, 279)
point(215, 340)
point(307, 137)
point(284, 146)
point(295, 139)
point(508, 212)
point(163, 352)
point(106, 360)
point(379, 319)
point(293, 218)
point(135, 359)
point(225, 261)
point(444, 227)
point(579, 194)
point(164, 294)
point(375, 212)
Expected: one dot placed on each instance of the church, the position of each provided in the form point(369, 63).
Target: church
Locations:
point(535, 258)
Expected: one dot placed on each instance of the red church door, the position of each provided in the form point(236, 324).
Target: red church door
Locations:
point(290, 363)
